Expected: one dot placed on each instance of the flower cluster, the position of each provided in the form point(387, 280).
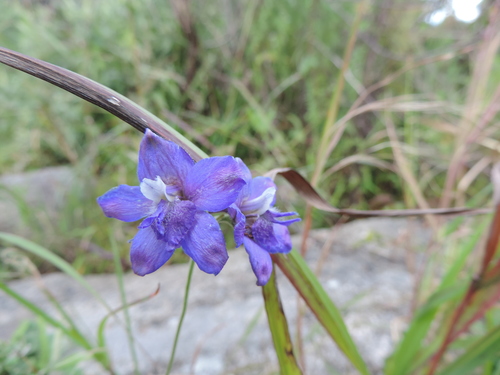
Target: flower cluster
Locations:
point(176, 198)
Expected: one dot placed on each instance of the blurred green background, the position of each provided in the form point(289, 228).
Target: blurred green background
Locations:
point(256, 79)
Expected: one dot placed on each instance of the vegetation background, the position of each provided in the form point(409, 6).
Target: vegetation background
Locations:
point(375, 104)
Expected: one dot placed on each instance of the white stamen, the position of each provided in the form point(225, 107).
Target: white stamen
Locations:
point(153, 189)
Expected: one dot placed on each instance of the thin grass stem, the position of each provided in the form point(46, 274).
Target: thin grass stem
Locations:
point(123, 297)
point(183, 313)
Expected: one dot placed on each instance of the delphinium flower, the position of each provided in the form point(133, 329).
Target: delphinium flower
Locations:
point(175, 197)
point(256, 224)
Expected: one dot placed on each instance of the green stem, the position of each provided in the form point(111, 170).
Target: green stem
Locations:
point(279, 328)
point(183, 313)
point(123, 297)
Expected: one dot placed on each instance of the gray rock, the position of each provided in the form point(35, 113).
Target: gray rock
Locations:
point(41, 192)
point(362, 268)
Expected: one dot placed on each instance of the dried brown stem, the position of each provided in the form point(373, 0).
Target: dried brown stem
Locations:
point(97, 94)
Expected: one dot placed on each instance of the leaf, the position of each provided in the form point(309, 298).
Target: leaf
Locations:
point(407, 354)
point(76, 336)
point(309, 288)
point(484, 349)
point(279, 328)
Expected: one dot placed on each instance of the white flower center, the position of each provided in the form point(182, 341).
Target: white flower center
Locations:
point(156, 190)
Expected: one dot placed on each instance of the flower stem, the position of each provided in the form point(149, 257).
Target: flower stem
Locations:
point(183, 313)
point(123, 297)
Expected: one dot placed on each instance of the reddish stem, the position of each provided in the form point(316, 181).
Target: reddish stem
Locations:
point(478, 315)
point(450, 334)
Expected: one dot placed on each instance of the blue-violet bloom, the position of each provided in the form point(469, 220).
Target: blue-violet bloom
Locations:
point(175, 196)
point(256, 224)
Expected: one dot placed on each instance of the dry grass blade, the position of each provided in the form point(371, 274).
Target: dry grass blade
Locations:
point(476, 96)
point(395, 104)
point(311, 196)
point(408, 67)
point(472, 174)
point(405, 170)
point(361, 159)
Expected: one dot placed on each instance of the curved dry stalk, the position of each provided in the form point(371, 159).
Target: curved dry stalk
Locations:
point(396, 104)
point(360, 159)
point(483, 64)
point(312, 197)
point(97, 94)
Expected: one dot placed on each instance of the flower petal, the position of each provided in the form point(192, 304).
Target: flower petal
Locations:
point(239, 224)
point(148, 253)
point(259, 185)
point(159, 157)
point(273, 214)
point(205, 244)
point(213, 184)
point(259, 205)
point(274, 238)
point(260, 260)
point(257, 196)
point(247, 175)
point(174, 221)
point(126, 203)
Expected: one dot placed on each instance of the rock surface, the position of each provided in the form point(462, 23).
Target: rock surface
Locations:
point(41, 192)
point(225, 330)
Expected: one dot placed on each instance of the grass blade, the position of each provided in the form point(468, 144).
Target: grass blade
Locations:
point(123, 297)
point(181, 320)
point(308, 286)
point(279, 328)
point(76, 336)
point(485, 348)
point(404, 357)
point(101, 339)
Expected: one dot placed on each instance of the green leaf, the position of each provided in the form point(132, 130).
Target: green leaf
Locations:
point(64, 266)
point(70, 362)
point(76, 336)
point(279, 328)
point(482, 350)
point(308, 286)
point(408, 354)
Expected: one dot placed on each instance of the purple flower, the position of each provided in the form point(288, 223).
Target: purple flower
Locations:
point(174, 196)
point(256, 224)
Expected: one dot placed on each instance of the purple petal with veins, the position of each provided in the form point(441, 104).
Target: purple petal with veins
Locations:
point(260, 260)
point(205, 244)
point(159, 157)
point(213, 184)
point(148, 253)
point(274, 238)
point(126, 203)
point(239, 220)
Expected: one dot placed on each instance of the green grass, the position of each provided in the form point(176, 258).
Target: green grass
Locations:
point(258, 86)
point(260, 90)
